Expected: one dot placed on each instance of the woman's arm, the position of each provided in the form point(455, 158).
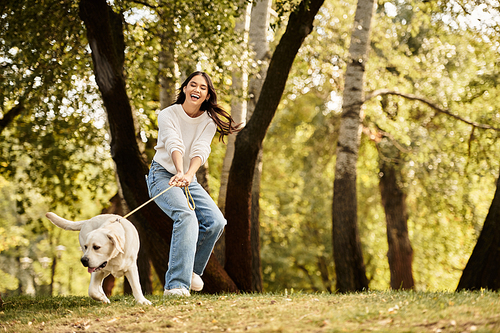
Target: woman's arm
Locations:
point(194, 165)
point(178, 179)
point(182, 179)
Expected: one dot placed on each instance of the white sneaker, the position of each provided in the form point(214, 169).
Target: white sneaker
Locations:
point(196, 282)
point(179, 292)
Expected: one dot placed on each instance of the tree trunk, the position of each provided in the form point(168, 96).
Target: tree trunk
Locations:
point(238, 100)
point(105, 36)
point(483, 268)
point(167, 65)
point(10, 115)
point(238, 112)
point(400, 252)
point(347, 254)
point(323, 270)
point(249, 141)
point(258, 42)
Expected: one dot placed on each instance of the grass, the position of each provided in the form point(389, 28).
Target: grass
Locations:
point(380, 311)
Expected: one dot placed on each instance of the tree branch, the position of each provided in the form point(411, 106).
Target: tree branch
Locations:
point(10, 116)
point(144, 4)
point(432, 105)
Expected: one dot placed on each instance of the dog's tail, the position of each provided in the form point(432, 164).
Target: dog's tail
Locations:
point(63, 223)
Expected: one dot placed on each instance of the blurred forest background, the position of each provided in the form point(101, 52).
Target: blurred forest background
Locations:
point(429, 118)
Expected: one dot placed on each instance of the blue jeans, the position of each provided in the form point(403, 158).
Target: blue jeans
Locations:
point(194, 232)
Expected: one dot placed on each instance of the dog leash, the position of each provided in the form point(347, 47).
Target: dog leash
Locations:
point(186, 191)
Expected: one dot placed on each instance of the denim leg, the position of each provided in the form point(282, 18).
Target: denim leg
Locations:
point(185, 228)
point(211, 226)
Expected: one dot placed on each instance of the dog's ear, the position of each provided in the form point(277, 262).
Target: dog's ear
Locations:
point(116, 233)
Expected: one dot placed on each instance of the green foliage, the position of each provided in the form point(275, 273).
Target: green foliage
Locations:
point(59, 136)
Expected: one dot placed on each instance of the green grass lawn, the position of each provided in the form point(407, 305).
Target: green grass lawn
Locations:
point(388, 311)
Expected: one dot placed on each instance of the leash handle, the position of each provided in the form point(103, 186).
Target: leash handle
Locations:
point(188, 197)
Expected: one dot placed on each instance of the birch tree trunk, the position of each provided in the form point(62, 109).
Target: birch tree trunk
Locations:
point(167, 64)
point(347, 254)
point(238, 101)
point(238, 112)
point(259, 25)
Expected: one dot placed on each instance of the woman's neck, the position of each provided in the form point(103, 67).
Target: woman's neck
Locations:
point(191, 111)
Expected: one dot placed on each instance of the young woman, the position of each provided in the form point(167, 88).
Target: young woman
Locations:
point(186, 130)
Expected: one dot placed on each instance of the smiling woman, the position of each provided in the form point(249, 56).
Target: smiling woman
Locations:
point(186, 130)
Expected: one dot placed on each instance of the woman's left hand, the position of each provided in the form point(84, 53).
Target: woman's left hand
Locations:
point(188, 178)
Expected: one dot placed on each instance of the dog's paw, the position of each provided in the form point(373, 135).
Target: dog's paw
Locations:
point(144, 301)
point(104, 300)
point(100, 298)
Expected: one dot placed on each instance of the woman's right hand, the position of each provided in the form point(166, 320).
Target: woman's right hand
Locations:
point(178, 180)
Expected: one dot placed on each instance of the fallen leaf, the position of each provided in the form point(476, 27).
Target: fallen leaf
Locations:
point(385, 321)
point(324, 323)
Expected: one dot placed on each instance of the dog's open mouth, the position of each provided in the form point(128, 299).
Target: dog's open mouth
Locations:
point(94, 269)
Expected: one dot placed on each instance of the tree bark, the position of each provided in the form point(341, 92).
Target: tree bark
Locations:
point(238, 100)
point(166, 56)
point(105, 36)
point(238, 112)
point(260, 46)
point(483, 268)
point(347, 254)
point(10, 115)
point(249, 142)
point(400, 252)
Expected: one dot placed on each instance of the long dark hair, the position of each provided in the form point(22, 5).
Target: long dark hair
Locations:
point(225, 123)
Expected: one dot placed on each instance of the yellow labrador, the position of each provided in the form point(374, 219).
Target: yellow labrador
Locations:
point(110, 245)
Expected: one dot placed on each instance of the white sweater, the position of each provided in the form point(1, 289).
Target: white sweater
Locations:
point(190, 136)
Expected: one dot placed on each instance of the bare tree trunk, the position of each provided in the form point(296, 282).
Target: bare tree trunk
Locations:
point(167, 64)
point(259, 25)
point(10, 115)
point(238, 112)
point(347, 254)
point(249, 141)
point(323, 270)
point(483, 268)
point(238, 101)
point(105, 36)
point(400, 252)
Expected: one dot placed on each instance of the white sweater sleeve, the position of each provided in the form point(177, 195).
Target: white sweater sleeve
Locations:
point(170, 132)
point(202, 144)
